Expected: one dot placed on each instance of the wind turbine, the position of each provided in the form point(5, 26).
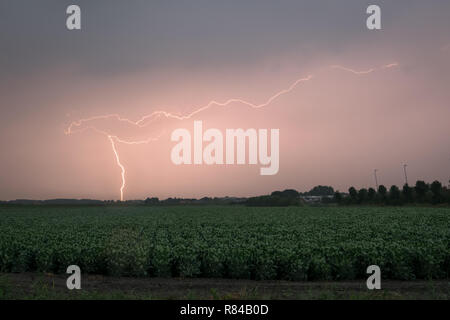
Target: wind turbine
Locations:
point(406, 176)
point(376, 179)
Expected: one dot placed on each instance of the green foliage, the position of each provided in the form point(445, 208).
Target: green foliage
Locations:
point(320, 191)
point(422, 193)
point(291, 243)
point(421, 190)
point(408, 193)
point(362, 195)
point(353, 194)
point(337, 197)
point(382, 191)
point(395, 196)
point(288, 193)
point(371, 195)
point(436, 189)
point(284, 198)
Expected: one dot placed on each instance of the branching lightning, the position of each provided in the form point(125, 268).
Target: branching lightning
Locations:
point(75, 126)
point(122, 168)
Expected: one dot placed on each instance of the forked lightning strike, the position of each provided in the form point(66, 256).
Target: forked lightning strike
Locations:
point(74, 127)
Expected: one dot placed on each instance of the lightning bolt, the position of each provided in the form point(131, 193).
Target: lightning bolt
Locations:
point(358, 72)
point(122, 168)
point(75, 126)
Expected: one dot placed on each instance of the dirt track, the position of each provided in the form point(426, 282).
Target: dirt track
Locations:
point(33, 285)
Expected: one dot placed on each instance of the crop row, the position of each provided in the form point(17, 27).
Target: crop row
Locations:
point(228, 242)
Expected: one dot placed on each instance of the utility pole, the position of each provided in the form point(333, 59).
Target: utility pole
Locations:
point(376, 179)
point(406, 176)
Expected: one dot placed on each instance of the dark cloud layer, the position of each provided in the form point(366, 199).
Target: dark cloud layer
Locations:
point(126, 36)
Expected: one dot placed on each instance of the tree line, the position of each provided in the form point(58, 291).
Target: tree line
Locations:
point(421, 193)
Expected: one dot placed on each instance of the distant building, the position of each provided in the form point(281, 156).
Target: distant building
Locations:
point(315, 199)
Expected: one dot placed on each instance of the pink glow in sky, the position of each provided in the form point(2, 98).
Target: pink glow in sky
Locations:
point(373, 100)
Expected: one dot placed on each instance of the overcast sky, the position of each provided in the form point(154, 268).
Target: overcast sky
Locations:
point(134, 57)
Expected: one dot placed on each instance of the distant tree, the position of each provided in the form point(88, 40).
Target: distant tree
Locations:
point(421, 189)
point(288, 193)
point(353, 194)
point(320, 191)
point(436, 189)
point(408, 193)
point(337, 197)
point(394, 195)
point(382, 191)
point(371, 194)
point(171, 201)
point(429, 197)
point(362, 195)
point(284, 198)
point(446, 192)
point(151, 201)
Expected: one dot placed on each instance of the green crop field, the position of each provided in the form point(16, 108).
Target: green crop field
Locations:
point(293, 243)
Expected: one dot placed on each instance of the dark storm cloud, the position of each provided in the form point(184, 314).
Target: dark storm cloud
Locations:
point(124, 36)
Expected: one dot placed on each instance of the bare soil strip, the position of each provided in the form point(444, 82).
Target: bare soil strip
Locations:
point(50, 286)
